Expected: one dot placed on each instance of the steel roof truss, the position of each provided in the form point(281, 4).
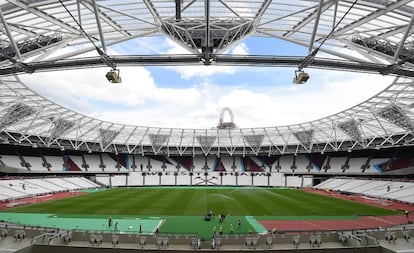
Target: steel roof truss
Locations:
point(45, 16)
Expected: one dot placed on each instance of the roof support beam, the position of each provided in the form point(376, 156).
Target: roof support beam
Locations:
point(107, 19)
point(269, 61)
point(126, 15)
point(78, 7)
point(315, 15)
point(177, 10)
point(231, 9)
point(88, 49)
point(207, 20)
point(153, 11)
point(262, 10)
point(322, 49)
point(285, 16)
point(335, 13)
point(12, 42)
point(370, 17)
point(315, 27)
point(98, 23)
point(45, 16)
point(401, 44)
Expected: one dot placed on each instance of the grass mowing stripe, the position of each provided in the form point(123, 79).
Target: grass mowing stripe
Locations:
point(204, 229)
point(184, 207)
point(193, 201)
point(83, 222)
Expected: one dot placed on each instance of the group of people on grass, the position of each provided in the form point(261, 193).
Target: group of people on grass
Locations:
point(110, 221)
point(221, 221)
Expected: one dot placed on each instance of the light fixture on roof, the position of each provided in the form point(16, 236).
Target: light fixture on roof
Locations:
point(113, 76)
point(300, 77)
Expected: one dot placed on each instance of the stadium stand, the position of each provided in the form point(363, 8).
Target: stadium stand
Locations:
point(337, 164)
point(301, 163)
point(356, 163)
point(56, 162)
point(43, 160)
point(383, 189)
point(109, 162)
point(93, 162)
point(11, 161)
point(35, 163)
point(285, 163)
point(26, 187)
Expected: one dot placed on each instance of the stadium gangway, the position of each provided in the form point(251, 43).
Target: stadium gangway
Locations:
point(46, 238)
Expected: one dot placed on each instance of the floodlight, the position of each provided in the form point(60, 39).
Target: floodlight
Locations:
point(113, 76)
point(300, 77)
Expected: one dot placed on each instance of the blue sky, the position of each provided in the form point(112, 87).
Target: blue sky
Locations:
point(193, 96)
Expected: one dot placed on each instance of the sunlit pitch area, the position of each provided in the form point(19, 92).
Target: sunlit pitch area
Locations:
point(355, 36)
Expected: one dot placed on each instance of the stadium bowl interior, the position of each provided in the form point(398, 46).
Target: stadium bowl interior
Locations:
point(72, 182)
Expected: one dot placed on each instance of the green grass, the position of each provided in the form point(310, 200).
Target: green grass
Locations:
point(183, 209)
point(193, 201)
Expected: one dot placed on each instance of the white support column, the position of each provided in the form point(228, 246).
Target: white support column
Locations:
point(12, 42)
point(98, 23)
point(207, 20)
point(401, 44)
point(315, 27)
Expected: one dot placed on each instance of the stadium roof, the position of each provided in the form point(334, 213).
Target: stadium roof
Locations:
point(363, 36)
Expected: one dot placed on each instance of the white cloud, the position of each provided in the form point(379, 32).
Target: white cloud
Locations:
point(203, 71)
point(141, 101)
point(241, 49)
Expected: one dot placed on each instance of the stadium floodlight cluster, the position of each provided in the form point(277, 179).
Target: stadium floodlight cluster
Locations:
point(254, 141)
point(158, 141)
point(29, 45)
point(395, 114)
point(351, 128)
point(387, 47)
point(304, 137)
point(60, 126)
point(206, 142)
point(16, 113)
point(107, 136)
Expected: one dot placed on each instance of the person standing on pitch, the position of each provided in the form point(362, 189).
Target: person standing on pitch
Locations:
point(110, 221)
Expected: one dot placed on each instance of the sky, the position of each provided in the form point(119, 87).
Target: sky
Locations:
point(193, 96)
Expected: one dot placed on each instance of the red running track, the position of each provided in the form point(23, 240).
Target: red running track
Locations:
point(37, 199)
point(362, 222)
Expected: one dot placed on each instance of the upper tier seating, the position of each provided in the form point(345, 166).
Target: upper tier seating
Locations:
point(356, 162)
point(12, 161)
point(56, 162)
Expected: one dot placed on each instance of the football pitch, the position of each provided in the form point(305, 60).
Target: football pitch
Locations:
point(182, 209)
